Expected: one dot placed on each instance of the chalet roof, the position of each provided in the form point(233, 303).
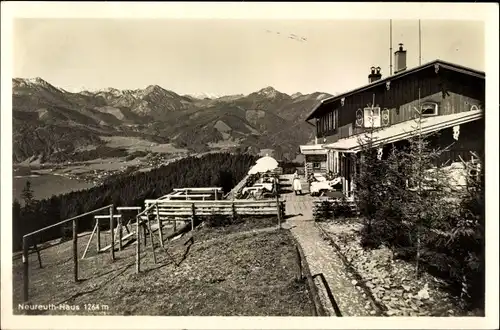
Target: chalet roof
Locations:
point(312, 149)
point(405, 130)
point(441, 63)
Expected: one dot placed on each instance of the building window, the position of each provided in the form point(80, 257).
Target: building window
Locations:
point(316, 165)
point(429, 109)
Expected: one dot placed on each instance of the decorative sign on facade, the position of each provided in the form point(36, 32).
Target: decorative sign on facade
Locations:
point(385, 117)
point(371, 117)
point(359, 118)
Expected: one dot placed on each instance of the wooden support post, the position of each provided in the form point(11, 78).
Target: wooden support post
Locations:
point(120, 232)
point(137, 246)
point(234, 211)
point(278, 204)
point(98, 233)
point(152, 242)
point(215, 191)
point(144, 234)
point(25, 269)
point(192, 216)
point(112, 232)
point(160, 225)
point(90, 239)
point(75, 250)
point(175, 225)
point(38, 255)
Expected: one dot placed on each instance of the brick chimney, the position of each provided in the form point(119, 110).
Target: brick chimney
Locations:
point(400, 59)
point(374, 75)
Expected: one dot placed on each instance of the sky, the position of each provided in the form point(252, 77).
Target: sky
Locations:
point(223, 56)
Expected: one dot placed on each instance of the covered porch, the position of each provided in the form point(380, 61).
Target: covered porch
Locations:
point(459, 130)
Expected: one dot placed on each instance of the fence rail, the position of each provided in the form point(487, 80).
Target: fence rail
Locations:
point(169, 208)
point(74, 220)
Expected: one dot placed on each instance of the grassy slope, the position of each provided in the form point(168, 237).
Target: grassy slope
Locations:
point(223, 273)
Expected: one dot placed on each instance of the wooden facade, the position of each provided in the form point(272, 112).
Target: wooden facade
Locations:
point(315, 164)
point(453, 93)
point(443, 88)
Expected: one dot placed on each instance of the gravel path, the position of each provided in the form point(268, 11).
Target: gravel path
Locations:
point(322, 258)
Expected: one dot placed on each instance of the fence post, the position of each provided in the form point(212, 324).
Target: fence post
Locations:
point(98, 232)
point(25, 269)
point(120, 234)
point(144, 226)
point(192, 216)
point(75, 250)
point(112, 231)
point(137, 246)
point(278, 207)
point(160, 225)
point(234, 211)
point(38, 255)
point(151, 238)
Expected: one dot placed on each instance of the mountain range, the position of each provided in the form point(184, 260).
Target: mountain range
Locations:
point(49, 122)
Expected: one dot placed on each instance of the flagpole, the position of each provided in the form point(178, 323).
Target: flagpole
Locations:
point(390, 47)
point(419, 44)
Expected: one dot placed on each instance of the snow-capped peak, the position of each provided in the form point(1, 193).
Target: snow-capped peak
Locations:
point(268, 91)
point(34, 82)
point(205, 95)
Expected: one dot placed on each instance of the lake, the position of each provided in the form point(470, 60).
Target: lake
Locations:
point(46, 185)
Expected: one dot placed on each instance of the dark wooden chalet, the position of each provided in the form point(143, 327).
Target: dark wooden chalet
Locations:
point(451, 98)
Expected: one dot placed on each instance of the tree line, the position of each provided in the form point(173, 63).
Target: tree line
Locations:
point(217, 170)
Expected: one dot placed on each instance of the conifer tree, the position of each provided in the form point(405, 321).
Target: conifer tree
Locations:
point(426, 201)
point(28, 195)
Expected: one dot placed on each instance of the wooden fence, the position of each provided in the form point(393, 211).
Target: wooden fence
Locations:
point(168, 209)
point(27, 242)
point(328, 208)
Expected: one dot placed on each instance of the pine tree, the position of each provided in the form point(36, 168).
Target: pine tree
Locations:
point(426, 201)
point(28, 195)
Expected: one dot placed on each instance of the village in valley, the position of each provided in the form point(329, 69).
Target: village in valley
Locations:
point(381, 214)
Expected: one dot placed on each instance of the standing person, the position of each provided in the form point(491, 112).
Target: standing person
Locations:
point(297, 186)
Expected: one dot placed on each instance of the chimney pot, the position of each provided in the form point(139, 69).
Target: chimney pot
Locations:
point(374, 75)
point(400, 59)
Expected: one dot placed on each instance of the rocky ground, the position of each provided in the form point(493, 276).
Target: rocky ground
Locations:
point(391, 283)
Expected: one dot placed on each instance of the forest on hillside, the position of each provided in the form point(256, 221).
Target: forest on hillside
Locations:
point(212, 170)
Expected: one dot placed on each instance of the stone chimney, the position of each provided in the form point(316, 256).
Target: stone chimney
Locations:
point(399, 59)
point(374, 75)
